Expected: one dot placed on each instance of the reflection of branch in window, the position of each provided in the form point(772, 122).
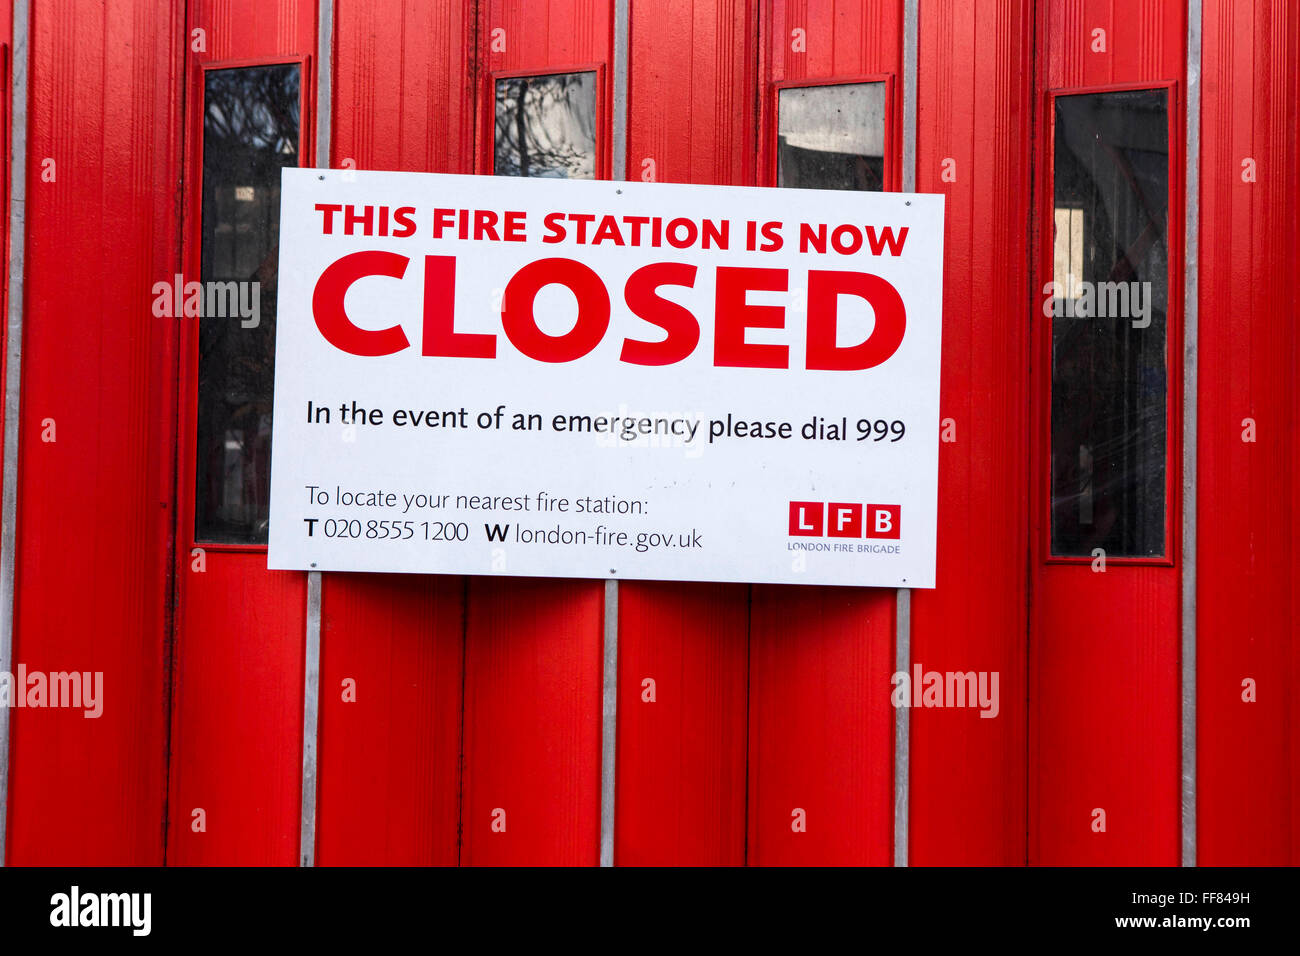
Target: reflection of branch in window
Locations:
point(253, 109)
point(545, 125)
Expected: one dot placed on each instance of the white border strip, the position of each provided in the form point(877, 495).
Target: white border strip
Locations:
point(311, 668)
point(903, 600)
point(13, 380)
point(1191, 285)
point(609, 677)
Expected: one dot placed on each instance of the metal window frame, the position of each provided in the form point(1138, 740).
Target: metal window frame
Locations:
point(1042, 270)
point(191, 263)
point(602, 128)
point(893, 171)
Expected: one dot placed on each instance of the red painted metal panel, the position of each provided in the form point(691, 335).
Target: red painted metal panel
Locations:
point(95, 513)
point(389, 767)
point(545, 36)
point(1142, 42)
point(974, 89)
point(821, 727)
point(532, 722)
point(811, 39)
point(821, 40)
point(236, 745)
point(533, 648)
point(240, 629)
point(682, 739)
point(403, 85)
point(821, 658)
point(390, 720)
point(692, 92)
point(1104, 718)
point(681, 758)
point(1248, 578)
point(1104, 647)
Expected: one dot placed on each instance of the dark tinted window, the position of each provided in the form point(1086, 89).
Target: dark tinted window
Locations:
point(250, 131)
point(1109, 302)
point(832, 137)
point(546, 126)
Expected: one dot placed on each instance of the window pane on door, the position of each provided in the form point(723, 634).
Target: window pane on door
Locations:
point(832, 137)
point(546, 126)
point(1109, 302)
point(250, 130)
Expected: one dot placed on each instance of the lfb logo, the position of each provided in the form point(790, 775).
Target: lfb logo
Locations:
point(835, 519)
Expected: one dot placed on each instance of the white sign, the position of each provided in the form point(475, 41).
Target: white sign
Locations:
point(488, 375)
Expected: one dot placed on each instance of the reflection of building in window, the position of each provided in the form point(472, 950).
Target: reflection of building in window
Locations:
point(1109, 362)
point(250, 130)
point(1067, 255)
point(546, 126)
point(832, 137)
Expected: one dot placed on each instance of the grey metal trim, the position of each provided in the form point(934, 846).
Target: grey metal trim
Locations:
point(311, 654)
point(324, 82)
point(310, 722)
point(903, 598)
point(609, 677)
point(1191, 285)
point(13, 380)
point(609, 724)
point(902, 729)
point(911, 29)
point(622, 43)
